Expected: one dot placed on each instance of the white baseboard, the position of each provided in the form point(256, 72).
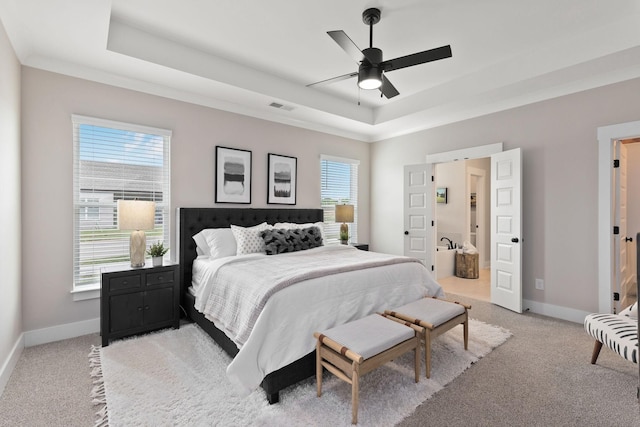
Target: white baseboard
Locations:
point(10, 363)
point(61, 332)
point(559, 312)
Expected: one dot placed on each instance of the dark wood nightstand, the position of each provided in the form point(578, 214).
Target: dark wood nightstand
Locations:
point(361, 246)
point(138, 300)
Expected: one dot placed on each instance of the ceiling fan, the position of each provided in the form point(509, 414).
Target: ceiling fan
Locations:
point(371, 67)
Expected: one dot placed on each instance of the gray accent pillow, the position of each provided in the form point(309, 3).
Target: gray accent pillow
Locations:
point(282, 240)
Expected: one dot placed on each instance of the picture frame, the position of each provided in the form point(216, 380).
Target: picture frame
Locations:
point(282, 179)
point(441, 195)
point(233, 175)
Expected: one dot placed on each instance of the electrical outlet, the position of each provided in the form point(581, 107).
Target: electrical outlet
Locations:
point(540, 284)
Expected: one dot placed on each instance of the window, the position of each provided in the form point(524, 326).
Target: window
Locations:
point(339, 185)
point(114, 161)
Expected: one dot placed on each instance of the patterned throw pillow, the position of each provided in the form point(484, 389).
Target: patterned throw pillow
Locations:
point(279, 241)
point(248, 239)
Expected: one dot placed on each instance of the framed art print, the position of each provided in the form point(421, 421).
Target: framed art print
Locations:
point(233, 175)
point(282, 179)
point(441, 195)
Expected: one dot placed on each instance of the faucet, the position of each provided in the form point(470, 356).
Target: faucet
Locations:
point(450, 245)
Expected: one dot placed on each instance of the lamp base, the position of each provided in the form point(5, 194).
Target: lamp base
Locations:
point(137, 248)
point(344, 231)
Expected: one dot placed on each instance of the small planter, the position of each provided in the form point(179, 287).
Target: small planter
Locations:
point(157, 251)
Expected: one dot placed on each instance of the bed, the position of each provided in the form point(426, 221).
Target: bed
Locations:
point(272, 370)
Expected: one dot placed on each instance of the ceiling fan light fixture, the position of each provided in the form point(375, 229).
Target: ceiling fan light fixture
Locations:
point(369, 77)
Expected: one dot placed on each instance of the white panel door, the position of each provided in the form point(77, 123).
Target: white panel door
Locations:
point(506, 229)
point(623, 283)
point(419, 213)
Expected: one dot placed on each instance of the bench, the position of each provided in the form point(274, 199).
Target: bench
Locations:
point(351, 350)
point(436, 316)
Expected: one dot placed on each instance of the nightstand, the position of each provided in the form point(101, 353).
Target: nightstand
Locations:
point(361, 246)
point(138, 300)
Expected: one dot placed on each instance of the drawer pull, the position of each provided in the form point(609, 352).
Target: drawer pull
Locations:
point(146, 307)
point(139, 308)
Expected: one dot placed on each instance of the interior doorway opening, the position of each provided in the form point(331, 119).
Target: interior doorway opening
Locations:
point(462, 225)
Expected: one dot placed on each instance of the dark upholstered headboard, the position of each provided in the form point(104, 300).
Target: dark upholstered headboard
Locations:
point(192, 220)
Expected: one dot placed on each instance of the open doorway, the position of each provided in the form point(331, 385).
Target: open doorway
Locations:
point(611, 242)
point(505, 200)
point(462, 221)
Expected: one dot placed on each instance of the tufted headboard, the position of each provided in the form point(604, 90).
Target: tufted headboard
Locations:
point(192, 220)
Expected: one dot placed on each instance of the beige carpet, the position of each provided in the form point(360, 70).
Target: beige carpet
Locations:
point(541, 376)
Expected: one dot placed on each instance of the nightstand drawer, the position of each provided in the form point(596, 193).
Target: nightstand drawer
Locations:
point(124, 282)
point(161, 277)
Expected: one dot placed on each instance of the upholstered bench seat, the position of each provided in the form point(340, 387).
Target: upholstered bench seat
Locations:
point(619, 332)
point(351, 350)
point(436, 316)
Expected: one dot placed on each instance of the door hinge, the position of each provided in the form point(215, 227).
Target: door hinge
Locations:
point(432, 178)
point(432, 223)
point(616, 229)
point(616, 296)
point(432, 268)
point(616, 163)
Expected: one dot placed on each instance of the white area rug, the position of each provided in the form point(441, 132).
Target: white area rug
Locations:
point(177, 378)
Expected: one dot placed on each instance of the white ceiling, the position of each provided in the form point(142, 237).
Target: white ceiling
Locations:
point(242, 55)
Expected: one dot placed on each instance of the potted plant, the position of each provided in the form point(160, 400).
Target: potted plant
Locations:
point(157, 251)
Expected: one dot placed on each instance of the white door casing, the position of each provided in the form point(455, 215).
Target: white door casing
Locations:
point(506, 229)
point(479, 176)
point(418, 213)
point(622, 274)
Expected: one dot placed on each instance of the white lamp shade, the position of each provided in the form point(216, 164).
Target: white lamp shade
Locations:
point(344, 213)
point(136, 215)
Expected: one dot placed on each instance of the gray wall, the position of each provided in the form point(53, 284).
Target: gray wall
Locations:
point(560, 189)
point(48, 101)
point(10, 292)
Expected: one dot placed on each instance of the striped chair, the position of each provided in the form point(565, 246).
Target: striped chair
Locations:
point(619, 332)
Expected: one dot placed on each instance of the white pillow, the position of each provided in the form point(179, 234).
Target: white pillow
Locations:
point(216, 242)
point(293, 225)
point(248, 239)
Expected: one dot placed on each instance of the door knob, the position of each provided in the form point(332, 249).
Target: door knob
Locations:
point(628, 239)
point(406, 233)
point(515, 240)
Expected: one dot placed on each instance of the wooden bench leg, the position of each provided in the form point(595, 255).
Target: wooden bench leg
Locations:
point(318, 368)
point(355, 391)
point(427, 352)
point(466, 332)
point(596, 352)
point(417, 360)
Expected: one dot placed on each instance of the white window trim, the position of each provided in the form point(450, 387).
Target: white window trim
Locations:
point(87, 292)
point(356, 162)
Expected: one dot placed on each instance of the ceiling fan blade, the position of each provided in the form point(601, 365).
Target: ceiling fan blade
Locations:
point(347, 45)
point(388, 89)
point(334, 79)
point(417, 58)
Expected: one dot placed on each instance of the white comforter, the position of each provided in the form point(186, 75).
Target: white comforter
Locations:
point(283, 329)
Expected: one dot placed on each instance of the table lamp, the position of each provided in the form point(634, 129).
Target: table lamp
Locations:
point(137, 216)
point(344, 214)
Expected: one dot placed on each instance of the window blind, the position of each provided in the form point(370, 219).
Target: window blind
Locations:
point(112, 161)
point(339, 185)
